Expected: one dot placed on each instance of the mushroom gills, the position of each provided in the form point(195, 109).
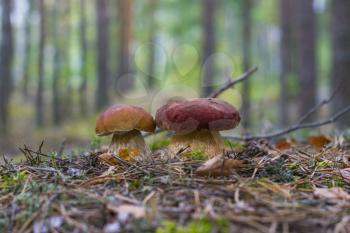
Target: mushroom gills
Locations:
point(129, 145)
point(208, 141)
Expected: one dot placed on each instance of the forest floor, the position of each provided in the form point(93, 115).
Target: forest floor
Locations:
point(287, 186)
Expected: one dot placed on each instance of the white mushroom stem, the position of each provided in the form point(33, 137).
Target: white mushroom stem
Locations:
point(129, 145)
point(207, 141)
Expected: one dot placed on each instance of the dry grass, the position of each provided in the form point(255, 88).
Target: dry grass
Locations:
point(299, 189)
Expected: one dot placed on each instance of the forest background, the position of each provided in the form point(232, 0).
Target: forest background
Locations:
point(62, 62)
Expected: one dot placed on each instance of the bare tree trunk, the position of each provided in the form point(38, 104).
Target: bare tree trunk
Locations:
point(340, 76)
point(125, 13)
point(68, 95)
point(306, 36)
point(208, 12)
point(286, 63)
point(6, 61)
point(83, 50)
point(27, 49)
point(152, 49)
point(57, 67)
point(40, 90)
point(246, 33)
point(102, 54)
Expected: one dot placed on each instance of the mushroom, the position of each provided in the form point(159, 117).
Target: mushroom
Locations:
point(125, 123)
point(197, 123)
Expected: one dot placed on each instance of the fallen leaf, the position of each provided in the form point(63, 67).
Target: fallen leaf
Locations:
point(331, 193)
point(284, 144)
point(219, 166)
point(108, 158)
point(345, 173)
point(318, 141)
point(128, 154)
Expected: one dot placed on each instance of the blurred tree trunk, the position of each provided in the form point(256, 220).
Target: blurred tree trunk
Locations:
point(57, 67)
point(306, 42)
point(246, 34)
point(40, 87)
point(340, 76)
point(83, 51)
point(6, 61)
point(208, 12)
point(152, 49)
point(67, 110)
point(102, 54)
point(27, 49)
point(286, 26)
point(125, 83)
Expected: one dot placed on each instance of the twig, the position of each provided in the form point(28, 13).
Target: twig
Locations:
point(62, 146)
point(233, 82)
point(293, 128)
point(318, 106)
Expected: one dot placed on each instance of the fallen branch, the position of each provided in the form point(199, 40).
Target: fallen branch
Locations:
point(296, 127)
point(317, 106)
point(233, 82)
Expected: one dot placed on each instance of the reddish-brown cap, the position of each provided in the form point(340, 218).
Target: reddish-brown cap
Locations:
point(123, 118)
point(200, 113)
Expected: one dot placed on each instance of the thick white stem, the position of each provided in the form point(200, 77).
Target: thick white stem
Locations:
point(129, 145)
point(209, 142)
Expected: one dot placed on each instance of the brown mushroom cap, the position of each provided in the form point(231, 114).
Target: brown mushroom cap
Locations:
point(124, 118)
point(194, 114)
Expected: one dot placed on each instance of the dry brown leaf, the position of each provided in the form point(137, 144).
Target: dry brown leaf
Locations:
point(219, 166)
point(318, 141)
point(345, 173)
point(128, 154)
point(108, 158)
point(331, 193)
point(284, 144)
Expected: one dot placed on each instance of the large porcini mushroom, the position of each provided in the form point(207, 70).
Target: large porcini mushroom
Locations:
point(197, 123)
point(125, 123)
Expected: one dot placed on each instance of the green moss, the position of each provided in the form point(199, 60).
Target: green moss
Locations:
point(292, 166)
point(233, 145)
point(159, 144)
point(335, 181)
point(135, 184)
point(277, 171)
point(304, 185)
point(12, 182)
point(196, 155)
point(323, 164)
point(195, 226)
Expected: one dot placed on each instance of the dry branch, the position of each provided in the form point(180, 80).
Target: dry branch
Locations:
point(296, 127)
point(233, 82)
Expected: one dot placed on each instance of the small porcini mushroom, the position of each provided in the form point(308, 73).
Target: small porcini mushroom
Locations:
point(125, 123)
point(197, 123)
